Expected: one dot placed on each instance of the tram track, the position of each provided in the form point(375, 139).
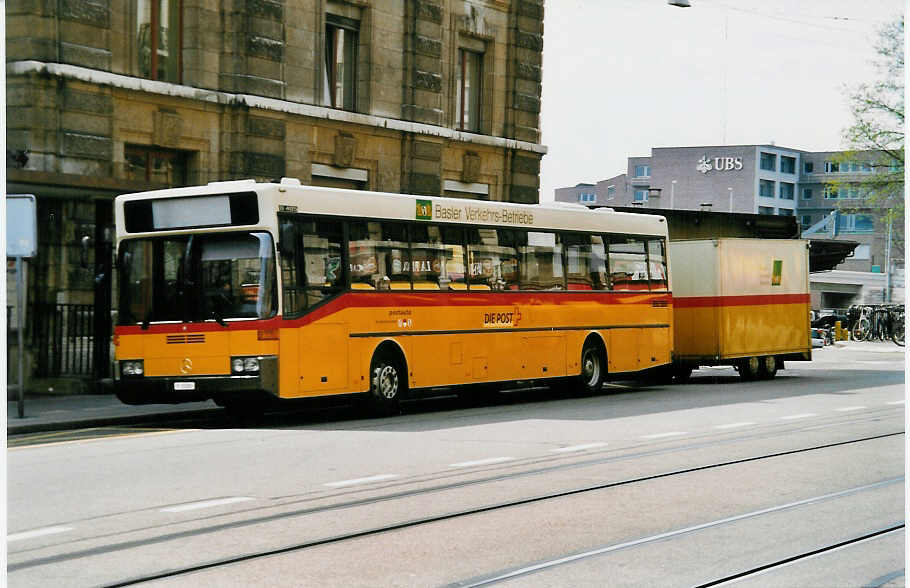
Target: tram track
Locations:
point(543, 465)
point(832, 547)
point(415, 522)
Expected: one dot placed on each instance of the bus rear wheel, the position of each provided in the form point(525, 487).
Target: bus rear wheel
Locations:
point(593, 371)
point(388, 381)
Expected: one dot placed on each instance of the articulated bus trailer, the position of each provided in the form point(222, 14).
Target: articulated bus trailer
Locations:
point(740, 302)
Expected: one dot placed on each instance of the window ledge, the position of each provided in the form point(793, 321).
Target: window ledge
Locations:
point(104, 78)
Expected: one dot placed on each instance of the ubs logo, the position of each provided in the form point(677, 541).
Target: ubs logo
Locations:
point(719, 164)
point(187, 366)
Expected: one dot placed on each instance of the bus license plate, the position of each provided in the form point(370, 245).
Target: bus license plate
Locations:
point(184, 385)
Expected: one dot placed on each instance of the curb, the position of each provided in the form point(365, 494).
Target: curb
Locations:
point(18, 428)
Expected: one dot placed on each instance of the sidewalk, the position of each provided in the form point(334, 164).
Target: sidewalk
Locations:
point(870, 346)
point(78, 411)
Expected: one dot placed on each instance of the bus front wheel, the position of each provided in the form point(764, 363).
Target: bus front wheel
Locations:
point(593, 370)
point(388, 381)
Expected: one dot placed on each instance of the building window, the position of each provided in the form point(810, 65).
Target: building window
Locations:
point(159, 37)
point(765, 210)
point(642, 171)
point(805, 221)
point(768, 161)
point(807, 193)
point(809, 167)
point(785, 212)
point(156, 166)
point(856, 223)
point(766, 188)
point(467, 91)
point(787, 164)
point(587, 197)
point(848, 167)
point(611, 192)
point(786, 190)
point(640, 196)
point(340, 79)
point(831, 193)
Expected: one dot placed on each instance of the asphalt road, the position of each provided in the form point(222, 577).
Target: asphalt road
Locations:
point(797, 481)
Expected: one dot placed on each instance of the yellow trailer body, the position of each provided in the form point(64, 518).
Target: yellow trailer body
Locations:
point(736, 300)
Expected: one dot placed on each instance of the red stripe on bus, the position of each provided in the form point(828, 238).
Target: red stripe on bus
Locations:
point(751, 300)
point(405, 300)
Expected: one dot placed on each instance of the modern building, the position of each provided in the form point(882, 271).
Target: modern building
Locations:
point(823, 190)
point(111, 96)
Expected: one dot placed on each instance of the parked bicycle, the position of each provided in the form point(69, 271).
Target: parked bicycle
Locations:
point(879, 322)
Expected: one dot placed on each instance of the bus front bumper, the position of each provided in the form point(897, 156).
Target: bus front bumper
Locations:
point(175, 390)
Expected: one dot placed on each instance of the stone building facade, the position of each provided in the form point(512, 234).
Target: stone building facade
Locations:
point(437, 97)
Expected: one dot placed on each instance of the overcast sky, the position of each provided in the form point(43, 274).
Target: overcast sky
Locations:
point(623, 76)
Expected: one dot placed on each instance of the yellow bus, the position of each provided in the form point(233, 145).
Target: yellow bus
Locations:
point(241, 292)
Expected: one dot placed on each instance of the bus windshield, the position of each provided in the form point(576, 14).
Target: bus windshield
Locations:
point(199, 277)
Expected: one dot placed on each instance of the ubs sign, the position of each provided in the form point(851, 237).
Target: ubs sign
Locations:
point(719, 164)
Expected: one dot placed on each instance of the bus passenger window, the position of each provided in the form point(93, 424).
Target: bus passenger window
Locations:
point(628, 264)
point(322, 259)
point(426, 252)
point(507, 271)
point(599, 263)
point(579, 275)
point(393, 258)
point(364, 266)
point(484, 255)
point(657, 264)
point(541, 267)
point(453, 270)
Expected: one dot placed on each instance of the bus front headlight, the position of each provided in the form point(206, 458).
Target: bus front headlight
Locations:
point(132, 367)
point(244, 365)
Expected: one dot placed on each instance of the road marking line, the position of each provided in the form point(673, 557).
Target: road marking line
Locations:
point(734, 425)
point(489, 460)
point(205, 504)
point(797, 416)
point(578, 447)
point(37, 533)
point(895, 402)
point(355, 481)
point(662, 435)
point(849, 408)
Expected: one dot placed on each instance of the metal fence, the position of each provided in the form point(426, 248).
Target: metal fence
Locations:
point(62, 336)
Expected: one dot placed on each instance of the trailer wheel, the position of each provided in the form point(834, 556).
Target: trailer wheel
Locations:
point(768, 368)
point(749, 368)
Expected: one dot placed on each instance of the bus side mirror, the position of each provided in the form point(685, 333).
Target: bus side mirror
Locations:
point(287, 238)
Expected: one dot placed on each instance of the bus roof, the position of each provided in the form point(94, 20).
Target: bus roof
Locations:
point(290, 196)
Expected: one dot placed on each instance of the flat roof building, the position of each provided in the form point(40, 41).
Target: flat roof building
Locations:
point(763, 179)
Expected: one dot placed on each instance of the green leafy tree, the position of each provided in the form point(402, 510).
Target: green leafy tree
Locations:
point(876, 138)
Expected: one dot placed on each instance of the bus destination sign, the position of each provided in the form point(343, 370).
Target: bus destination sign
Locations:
point(426, 210)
